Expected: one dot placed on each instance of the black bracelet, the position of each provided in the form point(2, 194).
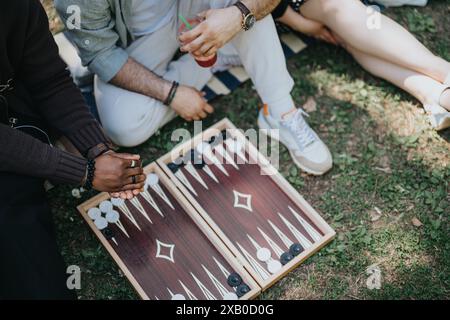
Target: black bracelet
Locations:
point(172, 92)
point(90, 168)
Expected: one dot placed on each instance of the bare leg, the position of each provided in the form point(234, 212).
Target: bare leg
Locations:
point(391, 42)
point(418, 85)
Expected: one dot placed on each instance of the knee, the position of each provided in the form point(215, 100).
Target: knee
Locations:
point(337, 8)
point(128, 135)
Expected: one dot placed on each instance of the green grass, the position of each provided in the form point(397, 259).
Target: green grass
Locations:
point(385, 157)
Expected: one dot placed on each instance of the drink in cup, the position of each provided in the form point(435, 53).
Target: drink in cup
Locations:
point(189, 24)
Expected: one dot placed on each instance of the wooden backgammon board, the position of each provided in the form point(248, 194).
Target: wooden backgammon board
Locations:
point(216, 221)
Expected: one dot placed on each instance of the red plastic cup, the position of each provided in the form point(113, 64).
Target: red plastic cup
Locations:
point(205, 62)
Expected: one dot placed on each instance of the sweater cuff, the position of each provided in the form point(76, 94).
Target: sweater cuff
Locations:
point(89, 136)
point(70, 169)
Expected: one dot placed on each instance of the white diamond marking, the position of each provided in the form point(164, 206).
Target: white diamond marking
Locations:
point(161, 247)
point(245, 197)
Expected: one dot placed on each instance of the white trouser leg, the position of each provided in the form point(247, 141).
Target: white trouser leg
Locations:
point(130, 118)
point(262, 57)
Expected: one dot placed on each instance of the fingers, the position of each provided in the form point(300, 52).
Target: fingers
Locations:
point(208, 108)
point(127, 195)
point(189, 36)
point(134, 163)
point(202, 114)
point(129, 160)
point(130, 172)
point(328, 37)
point(194, 45)
point(202, 15)
point(203, 51)
point(131, 187)
point(211, 51)
point(138, 179)
point(127, 156)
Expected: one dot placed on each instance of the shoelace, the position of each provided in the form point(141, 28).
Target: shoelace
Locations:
point(303, 132)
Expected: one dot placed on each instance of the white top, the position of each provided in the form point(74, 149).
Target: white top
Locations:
point(147, 16)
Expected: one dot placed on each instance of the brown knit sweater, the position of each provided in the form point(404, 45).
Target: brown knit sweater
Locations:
point(29, 56)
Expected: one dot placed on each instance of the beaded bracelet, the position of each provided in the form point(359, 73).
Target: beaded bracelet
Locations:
point(90, 169)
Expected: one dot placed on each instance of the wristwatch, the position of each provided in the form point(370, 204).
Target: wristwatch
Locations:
point(248, 18)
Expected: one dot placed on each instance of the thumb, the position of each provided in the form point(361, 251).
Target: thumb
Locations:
point(203, 15)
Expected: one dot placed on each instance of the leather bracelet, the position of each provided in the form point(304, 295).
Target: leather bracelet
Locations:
point(90, 171)
point(98, 150)
point(172, 92)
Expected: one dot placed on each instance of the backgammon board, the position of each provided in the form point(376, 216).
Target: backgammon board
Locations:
point(216, 221)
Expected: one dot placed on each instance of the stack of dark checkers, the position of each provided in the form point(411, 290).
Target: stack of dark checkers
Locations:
point(215, 222)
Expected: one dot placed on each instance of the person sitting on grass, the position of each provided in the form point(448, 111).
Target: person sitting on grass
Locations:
point(389, 52)
point(37, 96)
point(130, 45)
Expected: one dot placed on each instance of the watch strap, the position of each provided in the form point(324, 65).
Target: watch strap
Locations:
point(243, 8)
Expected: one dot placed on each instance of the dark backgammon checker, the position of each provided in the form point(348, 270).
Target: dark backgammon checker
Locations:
point(215, 222)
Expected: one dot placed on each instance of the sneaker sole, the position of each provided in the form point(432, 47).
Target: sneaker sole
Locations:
point(266, 126)
point(444, 125)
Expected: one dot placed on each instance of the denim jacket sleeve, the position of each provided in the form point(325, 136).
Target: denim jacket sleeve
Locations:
point(94, 35)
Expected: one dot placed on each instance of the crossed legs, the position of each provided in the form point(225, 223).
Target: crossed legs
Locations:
point(390, 52)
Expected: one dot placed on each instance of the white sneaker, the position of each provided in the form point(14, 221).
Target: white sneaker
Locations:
point(308, 152)
point(439, 116)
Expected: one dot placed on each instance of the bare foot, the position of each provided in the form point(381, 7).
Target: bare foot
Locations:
point(444, 101)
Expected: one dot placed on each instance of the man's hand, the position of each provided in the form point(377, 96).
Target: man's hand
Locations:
point(218, 28)
point(113, 173)
point(190, 104)
point(128, 194)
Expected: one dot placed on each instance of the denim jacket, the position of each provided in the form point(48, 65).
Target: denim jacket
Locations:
point(102, 33)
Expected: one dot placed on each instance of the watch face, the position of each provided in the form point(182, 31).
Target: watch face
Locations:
point(250, 21)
